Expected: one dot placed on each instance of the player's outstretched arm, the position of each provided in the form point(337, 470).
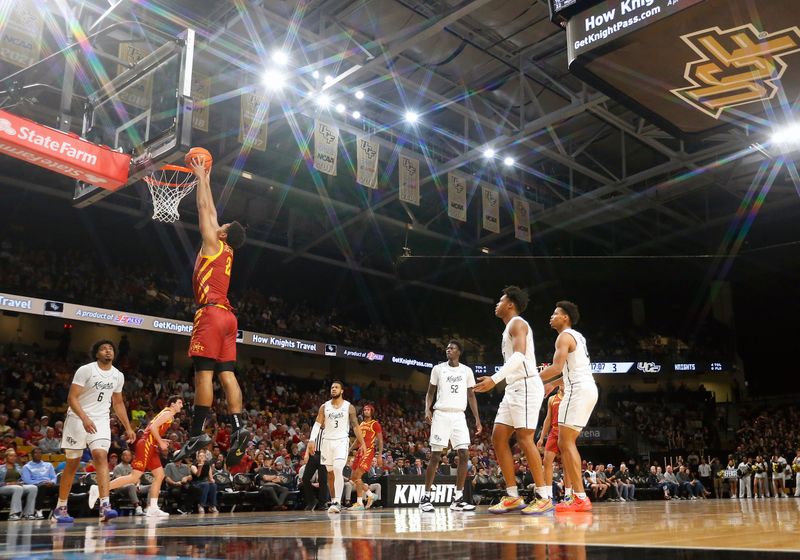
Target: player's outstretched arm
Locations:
point(206, 210)
point(122, 413)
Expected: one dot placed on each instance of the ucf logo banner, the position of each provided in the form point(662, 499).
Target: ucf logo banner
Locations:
point(367, 155)
point(491, 209)
point(457, 197)
point(326, 147)
point(522, 219)
point(21, 33)
point(409, 180)
point(735, 66)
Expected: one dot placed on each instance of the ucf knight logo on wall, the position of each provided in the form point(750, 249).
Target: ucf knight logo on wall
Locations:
point(736, 66)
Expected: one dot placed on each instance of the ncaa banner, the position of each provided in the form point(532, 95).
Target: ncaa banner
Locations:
point(253, 121)
point(367, 155)
point(139, 93)
point(326, 147)
point(21, 40)
point(491, 209)
point(201, 91)
point(522, 219)
point(457, 197)
point(409, 180)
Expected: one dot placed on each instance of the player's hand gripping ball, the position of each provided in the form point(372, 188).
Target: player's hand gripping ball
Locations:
point(200, 153)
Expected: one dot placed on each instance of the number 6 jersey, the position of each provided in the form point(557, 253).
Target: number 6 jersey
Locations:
point(451, 386)
point(98, 385)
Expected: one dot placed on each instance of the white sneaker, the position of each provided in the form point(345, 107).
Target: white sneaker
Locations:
point(156, 512)
point(334, 508)
point(139, 511)
point(623, 500)
point(94, 495)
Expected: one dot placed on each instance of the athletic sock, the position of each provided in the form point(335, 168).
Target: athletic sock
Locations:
point(512, 491)
point(581, 495)
point(549, 492)
point(105, 502)
point(154, 503)
point(428, 494)
point(238, 421)
point(567, 492)
point(360, 501)
point(459, 494)
point(199, 419)
point(61, 503)
point(541, 491)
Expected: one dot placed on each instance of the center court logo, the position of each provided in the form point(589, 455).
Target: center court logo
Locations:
point(412, 493)
point(736, 66)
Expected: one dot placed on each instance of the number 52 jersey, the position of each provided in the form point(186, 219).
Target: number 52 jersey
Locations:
point(451, 386)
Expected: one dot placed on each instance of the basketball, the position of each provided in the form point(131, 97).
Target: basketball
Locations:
point(201, 153)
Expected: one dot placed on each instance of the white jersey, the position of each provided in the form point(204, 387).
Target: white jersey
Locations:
point(578, 366)
point(451, 386)
point(528, 367)
point(337, 421)
point(98, 385)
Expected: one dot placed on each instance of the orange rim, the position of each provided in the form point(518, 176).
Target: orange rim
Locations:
point(171, 167)
point(151, 179)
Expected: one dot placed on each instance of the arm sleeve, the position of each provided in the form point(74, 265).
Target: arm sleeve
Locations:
point(511, 369)
point(314, 432)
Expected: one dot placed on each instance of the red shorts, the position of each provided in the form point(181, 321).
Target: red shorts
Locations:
point(363, 462)
point(147, 456)
point(552, 442)
point(214, 334)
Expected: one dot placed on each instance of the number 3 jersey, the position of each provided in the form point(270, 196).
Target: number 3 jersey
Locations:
point(98, 385)
point(337, 421)
point(451, 386)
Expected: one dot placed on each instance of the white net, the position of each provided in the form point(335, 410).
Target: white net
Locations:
point(168, 186)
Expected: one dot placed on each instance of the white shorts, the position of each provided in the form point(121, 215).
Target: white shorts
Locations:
point(521, 403)
point(449, 427)
point(578, 403)
point(75, 435)
point(333, 449)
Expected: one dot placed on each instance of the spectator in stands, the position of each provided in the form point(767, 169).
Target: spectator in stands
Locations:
point(4, 427)
point(129, 491)
point(590, 482)
point(49, 443)
point(271, 485)
point(670, 488)
point(349, 486)
point(399, 467)
point(417, 469)
point(178, 477)
point(203, 480)
point(608, 487)
point(11, 485)
point(624, 483)
point(41, 474)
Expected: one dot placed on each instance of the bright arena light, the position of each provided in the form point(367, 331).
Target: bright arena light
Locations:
point(328, 78)
point(315, 74)
point(340, 108)
point(489, 153)
point(274, 79)
point(280, 58)
point(509, 161)
point(323, 100)
point(412, 117)
point(787, 135)
point(359, 94)
point(356, 115)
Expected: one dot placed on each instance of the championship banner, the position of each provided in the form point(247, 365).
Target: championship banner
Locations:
point(21, 39)
point(326, 147)
point(367, 156)
point(201, 92)
point(490, 209)
point(457, 197)
point(253, 121)
point(522, 219)
point(409, 180)
point(139, 93)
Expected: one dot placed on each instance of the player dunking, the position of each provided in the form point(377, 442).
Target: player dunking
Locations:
point(95, 388)
point(580, 395)
point(147, 456)
point(518, 412)
point(551, 451)
point(336, 416)
point(213, 344)
point(372, 433)
point(453, 384)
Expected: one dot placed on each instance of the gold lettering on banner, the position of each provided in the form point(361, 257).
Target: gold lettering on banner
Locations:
point(736, 67)
point(21, 35)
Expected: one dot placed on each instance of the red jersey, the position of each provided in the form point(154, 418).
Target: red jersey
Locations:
point(554, 413)
point(212, 277)
point(369, 430)
point(162, 429)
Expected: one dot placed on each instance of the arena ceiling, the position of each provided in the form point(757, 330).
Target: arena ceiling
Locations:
point(480, 73)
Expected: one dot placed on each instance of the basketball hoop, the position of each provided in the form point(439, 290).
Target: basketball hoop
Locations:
point(168, 185)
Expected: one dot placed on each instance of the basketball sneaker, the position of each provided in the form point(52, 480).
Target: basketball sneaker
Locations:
point(107, 514)
point(94, 495)
point(192, 446)
point(239, 440)
point(577, 504)
point(370, 499)
point(334, 508)
point(155, 511)
point(60, 515)
point(508, 504)
point(538, 507)
point(357, 507)
point(426, 505)
point(461, 505)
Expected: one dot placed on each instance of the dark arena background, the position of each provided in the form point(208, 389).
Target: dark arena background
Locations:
point(396, 164)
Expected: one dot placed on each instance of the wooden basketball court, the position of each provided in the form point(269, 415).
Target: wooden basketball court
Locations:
point(709, 529)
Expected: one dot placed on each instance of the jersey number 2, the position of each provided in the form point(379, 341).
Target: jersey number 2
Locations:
point(228, 266)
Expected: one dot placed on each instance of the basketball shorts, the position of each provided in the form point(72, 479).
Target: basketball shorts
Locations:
point(449, 427)
point(147, 455)
point(521, 403)
point(75, 435)
point(214, 334)
point(363, 461)
point(552, 442)
point(578, 403)
point(333, 449)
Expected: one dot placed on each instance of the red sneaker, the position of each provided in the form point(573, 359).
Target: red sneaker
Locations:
point(577, 504)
